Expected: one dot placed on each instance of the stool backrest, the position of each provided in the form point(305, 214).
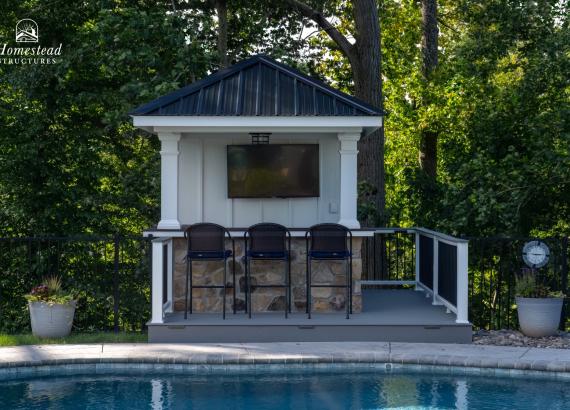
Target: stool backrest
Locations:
point(329, 237)
point(267, 237)
point(206, 237)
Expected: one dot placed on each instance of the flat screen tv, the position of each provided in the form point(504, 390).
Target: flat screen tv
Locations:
point(273, 171)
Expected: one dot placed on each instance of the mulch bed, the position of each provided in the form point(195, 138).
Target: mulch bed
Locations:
point(516, 338)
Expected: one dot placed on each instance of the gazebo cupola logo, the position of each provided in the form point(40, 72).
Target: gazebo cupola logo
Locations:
point(27, 31)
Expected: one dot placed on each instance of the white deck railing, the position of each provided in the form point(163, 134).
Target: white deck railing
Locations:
point(440, 269)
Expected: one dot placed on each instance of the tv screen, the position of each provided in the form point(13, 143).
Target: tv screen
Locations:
point(273, 171)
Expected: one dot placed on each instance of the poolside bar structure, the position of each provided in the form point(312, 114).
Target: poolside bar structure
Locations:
point(260, 99)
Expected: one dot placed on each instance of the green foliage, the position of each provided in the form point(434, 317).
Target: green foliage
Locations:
point(50, 292)
point(70, 160)
point(499, 102)
point(74, 338)
point(87, 266)
point(527, 286)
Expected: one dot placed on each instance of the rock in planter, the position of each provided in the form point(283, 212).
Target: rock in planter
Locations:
point(51, 320)
point(539, 317)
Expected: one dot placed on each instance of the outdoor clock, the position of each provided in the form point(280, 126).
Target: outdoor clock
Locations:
point(535, 254)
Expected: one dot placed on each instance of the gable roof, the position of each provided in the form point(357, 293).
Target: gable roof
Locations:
point(258, 86)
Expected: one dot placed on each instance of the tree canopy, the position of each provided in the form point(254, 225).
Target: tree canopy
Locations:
point(499, 99)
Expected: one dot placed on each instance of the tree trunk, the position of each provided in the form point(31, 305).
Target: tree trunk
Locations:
point(364, 58)
point(222, 13)
point(366, 66)
point(430, 32)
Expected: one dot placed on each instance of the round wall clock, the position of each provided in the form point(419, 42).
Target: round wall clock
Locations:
point(535, 254)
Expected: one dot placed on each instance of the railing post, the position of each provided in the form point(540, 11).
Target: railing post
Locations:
point(157, 282)
point(417, 261)
point(435, 284)
point(169, 275)
point(564, 280)
point(462, 282)
point(116, 248)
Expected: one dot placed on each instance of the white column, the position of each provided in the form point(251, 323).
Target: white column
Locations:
point(156, 290)
point(169, 181)
point(348, 179)
point(462, 283)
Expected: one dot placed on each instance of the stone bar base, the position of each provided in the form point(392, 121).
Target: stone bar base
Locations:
point(268, 272)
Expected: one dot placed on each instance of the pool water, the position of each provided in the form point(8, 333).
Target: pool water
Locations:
point(348, 390)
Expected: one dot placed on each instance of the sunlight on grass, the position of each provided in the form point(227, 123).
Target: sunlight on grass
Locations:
point(75, 338)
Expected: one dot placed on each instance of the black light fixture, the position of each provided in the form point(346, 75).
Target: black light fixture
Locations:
point(259, 137)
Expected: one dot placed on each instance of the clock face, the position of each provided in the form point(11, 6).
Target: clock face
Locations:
point(535, 254)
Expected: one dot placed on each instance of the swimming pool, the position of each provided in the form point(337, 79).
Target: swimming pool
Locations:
point(285, 390)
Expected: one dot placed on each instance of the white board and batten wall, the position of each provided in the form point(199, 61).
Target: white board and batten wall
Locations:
point(202, 184)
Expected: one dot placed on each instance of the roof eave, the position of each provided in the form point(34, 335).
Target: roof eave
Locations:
point(213, 124)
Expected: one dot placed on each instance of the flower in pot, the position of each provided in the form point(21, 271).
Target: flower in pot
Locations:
point(51, 309)
point(538, 307)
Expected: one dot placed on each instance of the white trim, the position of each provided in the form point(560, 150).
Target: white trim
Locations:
point(348, 179)
point(157, 312)
point(169, 155)
point(170, 277)
point(462, 283)
point(166, 234)
point(209, 124)
point(388, 282)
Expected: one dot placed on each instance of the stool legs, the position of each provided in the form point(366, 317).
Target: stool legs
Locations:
point(347, 289)
point(224, 289)
point(309, 297)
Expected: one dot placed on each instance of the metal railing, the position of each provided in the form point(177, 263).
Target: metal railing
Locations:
point(431, 261)
point(109, 274)
point(493, 265)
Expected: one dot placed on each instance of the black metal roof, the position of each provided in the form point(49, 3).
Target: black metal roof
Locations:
point(258, 86)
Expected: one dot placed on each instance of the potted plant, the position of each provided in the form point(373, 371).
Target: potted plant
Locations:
point(51, 309)
point(538, 307)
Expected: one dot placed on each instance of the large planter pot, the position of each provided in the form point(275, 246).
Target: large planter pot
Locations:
point(539, 317)
point(51, 320)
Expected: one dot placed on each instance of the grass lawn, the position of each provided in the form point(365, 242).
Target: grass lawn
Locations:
point(74, 338)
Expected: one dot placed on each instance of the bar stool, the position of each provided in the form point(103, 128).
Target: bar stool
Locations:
point(268, 241)
point(328, 242)
point(206, 242)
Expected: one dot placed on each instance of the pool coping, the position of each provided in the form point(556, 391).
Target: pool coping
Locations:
point(41, 359)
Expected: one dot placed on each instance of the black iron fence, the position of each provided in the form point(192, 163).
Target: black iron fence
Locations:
point(494, 264)
point(110, 275)
point(389, 256)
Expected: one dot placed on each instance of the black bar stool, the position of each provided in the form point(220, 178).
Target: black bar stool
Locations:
point(268, 241)
point(206, 242)
point(328, 242)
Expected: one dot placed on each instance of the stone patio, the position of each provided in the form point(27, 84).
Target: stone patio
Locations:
point(209, 357)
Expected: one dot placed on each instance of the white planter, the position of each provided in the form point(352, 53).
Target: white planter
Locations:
point(51, 320)
point(539, 317)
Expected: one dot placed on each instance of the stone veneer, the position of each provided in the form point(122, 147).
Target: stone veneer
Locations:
point(268, 272)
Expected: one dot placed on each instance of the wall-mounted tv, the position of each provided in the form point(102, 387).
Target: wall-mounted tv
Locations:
point(273, 171)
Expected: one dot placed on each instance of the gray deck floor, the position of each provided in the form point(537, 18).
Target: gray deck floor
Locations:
point(392, 307)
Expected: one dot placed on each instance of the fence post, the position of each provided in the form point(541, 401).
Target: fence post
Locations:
point(116, 242)
point(564, 280)
point(435, 282)
point(462, 282)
